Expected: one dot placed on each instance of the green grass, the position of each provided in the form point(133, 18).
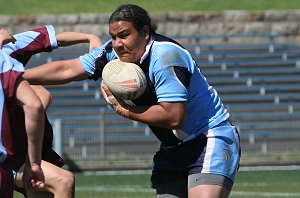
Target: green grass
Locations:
point(110, 186)
point(34, 7)
point(267, 184)
point(250, 184)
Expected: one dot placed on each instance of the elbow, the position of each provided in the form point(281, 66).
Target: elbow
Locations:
point(176, 126)
point(176, 123)
point(174, 114)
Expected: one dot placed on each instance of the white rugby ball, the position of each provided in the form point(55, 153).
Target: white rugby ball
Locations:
point(124, 80)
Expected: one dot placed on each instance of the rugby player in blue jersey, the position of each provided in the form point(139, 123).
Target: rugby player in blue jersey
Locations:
point(200, 150)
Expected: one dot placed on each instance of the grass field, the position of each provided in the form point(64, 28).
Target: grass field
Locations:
point(33, 7)
point(250, 184)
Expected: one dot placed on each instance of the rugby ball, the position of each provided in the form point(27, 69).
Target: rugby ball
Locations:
point(124, 80)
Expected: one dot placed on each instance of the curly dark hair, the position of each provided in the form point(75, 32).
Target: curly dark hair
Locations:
point(134, 14)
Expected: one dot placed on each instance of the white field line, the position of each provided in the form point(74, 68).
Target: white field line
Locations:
point(125, 172)
point(140, 189)
point(269, 168)
point(139, 172)
point(250, 184)
point(264, 194)
point(133, 189)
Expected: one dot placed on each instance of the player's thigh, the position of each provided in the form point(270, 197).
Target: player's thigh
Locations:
point(53, 176)
point(44, 193)
point(56, 177)
point(208, 191)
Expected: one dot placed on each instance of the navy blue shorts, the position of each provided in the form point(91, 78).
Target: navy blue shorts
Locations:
point(216, 151)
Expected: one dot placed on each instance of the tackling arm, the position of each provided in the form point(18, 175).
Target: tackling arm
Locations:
point(72, 38)
point(57, 72)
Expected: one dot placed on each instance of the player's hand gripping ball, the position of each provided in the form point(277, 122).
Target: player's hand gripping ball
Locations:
point(125, 80)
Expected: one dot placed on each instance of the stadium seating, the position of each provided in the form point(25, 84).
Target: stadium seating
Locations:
point(257, 81)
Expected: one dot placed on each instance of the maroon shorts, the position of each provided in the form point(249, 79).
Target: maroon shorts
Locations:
point(20, 140)
point(20, 152)
point(48, 154)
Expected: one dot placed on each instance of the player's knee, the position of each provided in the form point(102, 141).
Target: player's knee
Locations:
point(71, 179)
point(67, 180)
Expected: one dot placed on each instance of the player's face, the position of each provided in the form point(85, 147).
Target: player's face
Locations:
point(128, 43)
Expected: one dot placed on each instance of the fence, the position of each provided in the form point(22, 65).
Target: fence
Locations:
point(103, 140)
point(101, 144)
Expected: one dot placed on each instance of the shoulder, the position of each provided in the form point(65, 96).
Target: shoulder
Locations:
point(8, 63)
point(10, 71)
point(165, 46)
point(104, 49)
point(168, 53)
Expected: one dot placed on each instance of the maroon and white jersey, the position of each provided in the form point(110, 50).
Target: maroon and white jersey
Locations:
point(31, 42)
point(10, 71)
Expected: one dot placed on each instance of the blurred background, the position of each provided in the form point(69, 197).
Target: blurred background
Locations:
point(248, 50)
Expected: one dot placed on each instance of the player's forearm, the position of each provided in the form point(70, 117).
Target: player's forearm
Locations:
point(165, 114)
point(72, 38)
point(57, 72)
point(156, 115)
point(34, 123)
point(44, 74)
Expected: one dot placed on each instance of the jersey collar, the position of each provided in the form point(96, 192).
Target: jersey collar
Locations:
point(147, 51)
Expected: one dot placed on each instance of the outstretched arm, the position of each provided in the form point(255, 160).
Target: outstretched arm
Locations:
point(57, 72)
point(72, 38)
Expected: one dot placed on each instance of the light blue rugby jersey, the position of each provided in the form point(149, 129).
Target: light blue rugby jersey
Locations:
point(204, 107)
point(88, 60)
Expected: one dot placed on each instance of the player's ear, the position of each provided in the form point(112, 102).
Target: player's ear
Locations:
point(146, 31)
